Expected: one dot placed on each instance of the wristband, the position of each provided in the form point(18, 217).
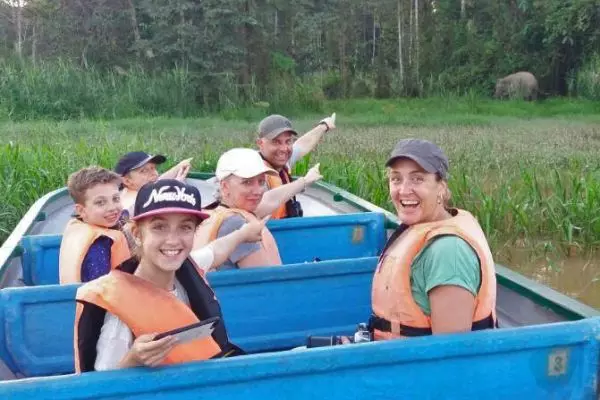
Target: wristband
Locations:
point(326, 126)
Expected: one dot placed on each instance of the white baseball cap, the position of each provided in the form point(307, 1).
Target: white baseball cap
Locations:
point(242, 162)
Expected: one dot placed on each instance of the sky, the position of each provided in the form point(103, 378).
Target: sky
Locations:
point(15, 3)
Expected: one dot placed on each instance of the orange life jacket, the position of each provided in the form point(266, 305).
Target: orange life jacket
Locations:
point(144, 308)
point(274, 181)
point(285, 210)
point(395, 312)
point(209, 228)
point(76, 241)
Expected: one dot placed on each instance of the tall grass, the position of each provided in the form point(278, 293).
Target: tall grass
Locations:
point(527, 181)
point(586, 81)
point(529, 172)
point(60, 91)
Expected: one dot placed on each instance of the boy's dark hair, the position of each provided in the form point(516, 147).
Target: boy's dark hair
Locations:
point(86, 178)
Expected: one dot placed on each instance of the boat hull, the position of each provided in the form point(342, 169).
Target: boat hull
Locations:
point(494, 364)
point(557, 361)
point(265, 310)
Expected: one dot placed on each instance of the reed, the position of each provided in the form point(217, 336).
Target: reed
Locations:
point(526, 180)
point(532, 180)
point(60, 90)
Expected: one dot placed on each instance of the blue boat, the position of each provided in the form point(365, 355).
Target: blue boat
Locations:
point(547, 347)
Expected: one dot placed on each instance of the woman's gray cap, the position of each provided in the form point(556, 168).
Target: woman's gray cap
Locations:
point(429, 156)
point(273, 126)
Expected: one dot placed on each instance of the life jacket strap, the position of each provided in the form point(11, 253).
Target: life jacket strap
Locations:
point(382, 324)
point(487, 323)
point(230, 350)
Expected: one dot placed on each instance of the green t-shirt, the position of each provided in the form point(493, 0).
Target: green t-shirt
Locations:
point(448, 260)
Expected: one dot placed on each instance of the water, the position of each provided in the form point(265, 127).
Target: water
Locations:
point(577, 276)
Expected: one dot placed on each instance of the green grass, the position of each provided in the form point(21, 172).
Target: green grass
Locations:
point(529, 171)
point(463, 111)
point(60, 90)
point(533, 178)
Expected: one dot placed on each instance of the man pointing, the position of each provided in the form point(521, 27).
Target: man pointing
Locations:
point(280, 150)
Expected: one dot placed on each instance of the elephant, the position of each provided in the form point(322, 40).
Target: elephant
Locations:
point(518, 85)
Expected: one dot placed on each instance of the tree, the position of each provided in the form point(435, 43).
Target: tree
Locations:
point(245, 50)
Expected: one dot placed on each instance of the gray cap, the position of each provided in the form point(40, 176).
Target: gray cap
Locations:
point(429, 156)
point(273, 126)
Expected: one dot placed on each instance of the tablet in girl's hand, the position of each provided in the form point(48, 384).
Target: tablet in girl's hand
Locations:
point(188, 333)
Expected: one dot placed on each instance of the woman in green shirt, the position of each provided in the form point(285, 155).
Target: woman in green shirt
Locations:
point(436, 273)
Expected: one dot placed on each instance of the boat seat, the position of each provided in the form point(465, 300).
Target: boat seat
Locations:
point(40, 259)
point(299, 240)
point(265, 309)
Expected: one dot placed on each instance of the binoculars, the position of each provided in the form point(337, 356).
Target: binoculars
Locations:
point(293, 208)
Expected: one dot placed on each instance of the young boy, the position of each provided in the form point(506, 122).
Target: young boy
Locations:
point(92, 244)
point(138, 168)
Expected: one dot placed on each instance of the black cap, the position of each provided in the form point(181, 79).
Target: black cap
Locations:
point(425, 153)
point(167, 196)
point(274, 125)
point(136, 159)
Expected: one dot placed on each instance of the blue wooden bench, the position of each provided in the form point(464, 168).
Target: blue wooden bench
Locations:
point(264, 309)
point(557, 361)
point(299, 240)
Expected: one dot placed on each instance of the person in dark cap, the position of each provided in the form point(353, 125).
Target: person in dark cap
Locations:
point(280, 151)
point(436, 273)
point(161, 289)
point(138, 168)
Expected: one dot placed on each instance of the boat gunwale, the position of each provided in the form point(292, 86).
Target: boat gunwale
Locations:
point(324, 360)
point(11, 247)
point(563, 305)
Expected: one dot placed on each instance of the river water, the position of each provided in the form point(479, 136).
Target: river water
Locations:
point(577, 276)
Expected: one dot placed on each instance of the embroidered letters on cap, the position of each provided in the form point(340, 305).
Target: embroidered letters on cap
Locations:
point(161, 195)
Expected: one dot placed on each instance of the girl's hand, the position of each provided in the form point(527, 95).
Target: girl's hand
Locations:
point(149, 352)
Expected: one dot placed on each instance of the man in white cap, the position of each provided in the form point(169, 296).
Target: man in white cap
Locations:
point(280, 152)
point(241, 175)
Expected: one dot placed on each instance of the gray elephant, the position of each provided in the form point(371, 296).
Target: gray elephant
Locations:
point(518, 85)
